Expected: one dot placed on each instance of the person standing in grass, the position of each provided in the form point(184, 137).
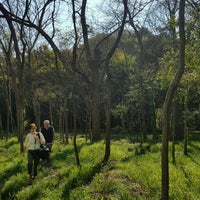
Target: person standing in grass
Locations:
point(33, 142)
point(48, 131)
point(49, 134)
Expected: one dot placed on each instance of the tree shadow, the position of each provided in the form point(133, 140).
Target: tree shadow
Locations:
point(82, 178)
point(195, 147)
point(9, 192)
point(18, 168)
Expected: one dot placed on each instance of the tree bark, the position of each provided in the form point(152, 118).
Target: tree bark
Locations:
point(167, 103)
point(66, 122)
point(96, 108)
point(173, 130)
point(19, 85)
point(108, 113)
point(75, 134)
point(36, 109)
point(185, 127)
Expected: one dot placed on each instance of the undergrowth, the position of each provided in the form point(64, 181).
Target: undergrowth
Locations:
point(133, 172)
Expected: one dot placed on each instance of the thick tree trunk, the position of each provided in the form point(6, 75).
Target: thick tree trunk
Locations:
point(20, 117)
point(88, 121)
point(96, 109)
point(36, 109)
point(168, 100)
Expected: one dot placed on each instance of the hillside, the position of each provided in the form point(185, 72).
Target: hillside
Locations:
point(133, 172)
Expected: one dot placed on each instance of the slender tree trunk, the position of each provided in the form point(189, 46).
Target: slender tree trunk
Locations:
point(173, 130)
point(75, 135)
point(50, 112)
point(10, 109)
point(61, 122)
point(66, 122)
point(90, 126)
point(1, 128)
point(185, 128)
point(66, 128)
point(168, 99)
point(7, 111)
point(108, 113)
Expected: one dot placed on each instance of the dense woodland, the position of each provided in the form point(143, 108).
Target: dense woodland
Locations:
point(123, 67)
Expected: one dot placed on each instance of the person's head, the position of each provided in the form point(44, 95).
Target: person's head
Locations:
point(46, 123)
point(32, 127)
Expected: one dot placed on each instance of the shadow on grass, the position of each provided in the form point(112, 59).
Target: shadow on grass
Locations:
point(194, 146)
point(9, 191)
point(82, 178)
point(18, 168)
point(62, 155)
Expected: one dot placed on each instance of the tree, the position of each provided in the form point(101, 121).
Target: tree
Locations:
point(18, 33)
point(98, 62)
point(168, 99)
point(133, 13)
point(18, 77)
point(6, 69)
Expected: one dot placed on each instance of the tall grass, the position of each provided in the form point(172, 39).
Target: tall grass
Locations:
point(133, 172)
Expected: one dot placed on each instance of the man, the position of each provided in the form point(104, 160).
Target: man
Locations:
point(48, 132)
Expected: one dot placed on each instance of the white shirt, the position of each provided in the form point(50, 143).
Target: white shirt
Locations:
point(33, 143)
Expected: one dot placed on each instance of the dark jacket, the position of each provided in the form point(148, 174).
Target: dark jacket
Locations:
point(48, 134)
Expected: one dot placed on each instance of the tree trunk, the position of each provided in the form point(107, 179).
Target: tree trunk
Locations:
point(90, 127)
point(1, 128)
point(61, 122)
point(185, 127)
point(66, 123)
point(50, 112)
point(95, 109)
point(11, 111)
point(168, 99)
point(75, 135)
point(7, 110)
point(108, 113)
point(20, 117)
point(173, 130)
point(36, 109)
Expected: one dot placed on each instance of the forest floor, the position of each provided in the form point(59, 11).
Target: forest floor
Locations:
point(133, 172)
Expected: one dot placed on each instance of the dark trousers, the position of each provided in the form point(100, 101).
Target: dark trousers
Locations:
point(33, 160)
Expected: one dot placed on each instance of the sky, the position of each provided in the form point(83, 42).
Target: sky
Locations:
point(65, 14)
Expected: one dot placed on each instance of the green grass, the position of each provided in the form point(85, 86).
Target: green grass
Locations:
point(133, 172)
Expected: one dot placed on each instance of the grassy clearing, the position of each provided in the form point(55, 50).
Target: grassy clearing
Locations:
point(133, 172)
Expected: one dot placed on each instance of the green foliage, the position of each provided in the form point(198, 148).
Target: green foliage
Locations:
point(133, 172)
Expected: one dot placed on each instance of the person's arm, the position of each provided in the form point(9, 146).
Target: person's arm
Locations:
point(42, 139)
point(25, 144)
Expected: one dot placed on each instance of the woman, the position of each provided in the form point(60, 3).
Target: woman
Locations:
point(32, 142)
